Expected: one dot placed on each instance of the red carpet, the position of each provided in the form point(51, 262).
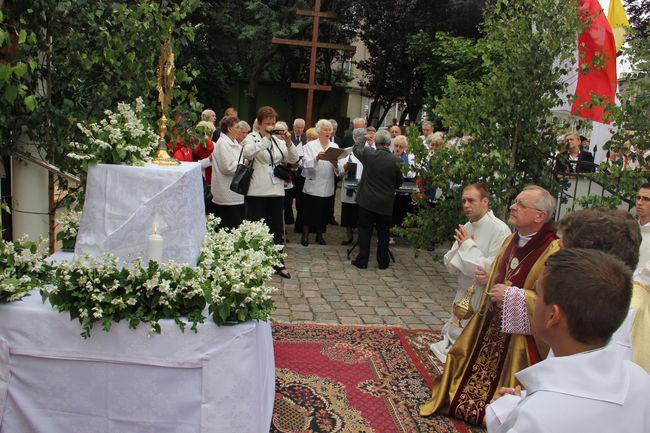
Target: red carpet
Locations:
point(342, 379)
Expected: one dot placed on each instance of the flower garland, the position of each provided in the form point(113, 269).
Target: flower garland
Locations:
point(97, 289)
point(22, 267)
point(230, 279)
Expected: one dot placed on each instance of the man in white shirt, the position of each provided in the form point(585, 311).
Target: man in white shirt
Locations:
point(643, 211)
point(476, 244)
point(586, 386)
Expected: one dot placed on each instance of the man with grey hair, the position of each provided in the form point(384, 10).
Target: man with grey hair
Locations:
point(493, 346)
point(427, 131)
point(298, 136)
point(334, 138)
point(357, 123)
point(376, 194)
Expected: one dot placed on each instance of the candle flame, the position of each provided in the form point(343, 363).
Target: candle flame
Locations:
point(154, 229)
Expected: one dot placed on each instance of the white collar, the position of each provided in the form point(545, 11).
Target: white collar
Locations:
point(483, 220)
point(597, 374)
point(230, 140)
point(523, 240)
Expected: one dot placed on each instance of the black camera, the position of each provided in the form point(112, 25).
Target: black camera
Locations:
point(277, 131)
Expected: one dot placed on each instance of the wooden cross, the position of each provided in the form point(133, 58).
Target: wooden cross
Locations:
point(314, 44)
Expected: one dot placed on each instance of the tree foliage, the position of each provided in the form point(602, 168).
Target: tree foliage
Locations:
point(89, 56)
point(391, 73)
point(507, 113)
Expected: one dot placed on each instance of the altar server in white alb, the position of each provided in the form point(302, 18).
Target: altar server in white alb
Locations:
point(477, 244)
point(586, 386)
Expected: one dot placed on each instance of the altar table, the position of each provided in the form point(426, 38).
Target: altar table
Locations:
point(123, 203)
point(220, 379)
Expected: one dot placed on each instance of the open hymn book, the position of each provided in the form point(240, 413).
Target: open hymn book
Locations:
point(333, 154)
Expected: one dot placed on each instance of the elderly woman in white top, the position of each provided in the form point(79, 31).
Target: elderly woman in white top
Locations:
point(227, 205)
point(265, 197)
point(319, 175)
point(403, 203)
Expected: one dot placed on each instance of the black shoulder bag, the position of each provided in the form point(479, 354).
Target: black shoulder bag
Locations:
point(242, 178)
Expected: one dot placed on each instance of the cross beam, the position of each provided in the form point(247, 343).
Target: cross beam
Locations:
point(314, 44)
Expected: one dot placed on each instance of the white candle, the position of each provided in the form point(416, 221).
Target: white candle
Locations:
point(155, 247)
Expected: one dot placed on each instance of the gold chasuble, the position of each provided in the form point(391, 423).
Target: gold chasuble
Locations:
point(641, 325)
point(484, 358)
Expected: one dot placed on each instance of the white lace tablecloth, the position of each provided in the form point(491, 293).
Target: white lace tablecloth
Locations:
point(123, 203)
point(220, 379)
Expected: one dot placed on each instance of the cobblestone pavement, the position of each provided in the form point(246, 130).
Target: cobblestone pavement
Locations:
point(414, 292)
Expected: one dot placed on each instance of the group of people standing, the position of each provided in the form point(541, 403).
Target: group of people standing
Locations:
point(311, 180)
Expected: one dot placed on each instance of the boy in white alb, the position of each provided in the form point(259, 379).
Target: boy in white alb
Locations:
point(586, 386)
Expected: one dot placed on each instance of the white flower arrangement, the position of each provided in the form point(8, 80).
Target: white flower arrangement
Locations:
point(230, 278)
point(236, 265)
point(97, 289)
point(22, 267)
point(122, 137)
point(68, 227)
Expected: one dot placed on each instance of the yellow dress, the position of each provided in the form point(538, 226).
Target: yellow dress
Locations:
point(483, 359)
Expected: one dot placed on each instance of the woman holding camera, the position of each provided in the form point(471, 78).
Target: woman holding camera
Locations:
point(319, 173)
point(265, 197)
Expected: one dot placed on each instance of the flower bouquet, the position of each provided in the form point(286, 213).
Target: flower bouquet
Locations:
point(236, 265)
point(124, 136)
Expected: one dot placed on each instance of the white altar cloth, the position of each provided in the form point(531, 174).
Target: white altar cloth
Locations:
point(220, 379)
point(123, 203)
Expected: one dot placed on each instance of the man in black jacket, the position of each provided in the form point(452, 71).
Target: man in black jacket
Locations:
point(381, 176)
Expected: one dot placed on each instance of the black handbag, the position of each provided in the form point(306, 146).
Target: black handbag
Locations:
point(280, 171)
point(241, 180)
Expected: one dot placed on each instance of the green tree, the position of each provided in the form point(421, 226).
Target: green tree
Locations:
point(507, 113)
point(90, 55)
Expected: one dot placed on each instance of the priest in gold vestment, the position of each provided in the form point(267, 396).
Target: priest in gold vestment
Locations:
point(484, 358)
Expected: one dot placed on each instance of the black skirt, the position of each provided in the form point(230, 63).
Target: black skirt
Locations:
point(315, 211)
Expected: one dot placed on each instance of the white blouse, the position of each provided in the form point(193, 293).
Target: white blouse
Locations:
point(319, 174)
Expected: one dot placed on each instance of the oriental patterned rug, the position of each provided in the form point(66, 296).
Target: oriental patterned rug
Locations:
point(342, 379)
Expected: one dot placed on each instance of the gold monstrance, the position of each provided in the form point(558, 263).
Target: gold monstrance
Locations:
point(165, 75)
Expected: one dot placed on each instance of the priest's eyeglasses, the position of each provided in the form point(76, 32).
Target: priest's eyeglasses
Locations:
point(521, 205)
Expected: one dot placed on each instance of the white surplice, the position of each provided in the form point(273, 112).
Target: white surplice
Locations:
point(489, 232)
point(595, 392)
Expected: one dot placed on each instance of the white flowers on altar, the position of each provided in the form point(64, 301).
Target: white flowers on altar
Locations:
point(124, 136)
point(236, 265)
point(231, 278)
point(22, 267)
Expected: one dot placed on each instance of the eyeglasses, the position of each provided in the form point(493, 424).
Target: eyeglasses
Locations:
point(643, 198)
point(522, 205)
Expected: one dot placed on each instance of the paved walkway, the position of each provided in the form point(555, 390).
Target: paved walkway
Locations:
point(415, 292)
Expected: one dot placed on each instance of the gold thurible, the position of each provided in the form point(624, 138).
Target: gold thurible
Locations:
point(463, 307)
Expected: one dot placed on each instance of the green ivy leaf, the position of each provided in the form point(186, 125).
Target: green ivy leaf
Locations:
point(10, 94)
point(30, 102)
point(20, 69)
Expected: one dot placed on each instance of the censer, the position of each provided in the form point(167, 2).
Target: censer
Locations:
point(463, 307)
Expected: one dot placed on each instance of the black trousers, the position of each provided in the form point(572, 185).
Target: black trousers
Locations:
point(231, 216)
point(272, 210)
point(367, 222)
